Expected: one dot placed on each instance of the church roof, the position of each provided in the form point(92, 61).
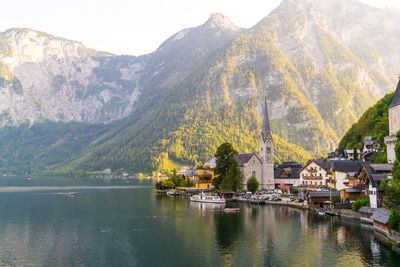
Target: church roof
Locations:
point(396, 97)
point(292, 170)
point(266, 128)
point(244, 158)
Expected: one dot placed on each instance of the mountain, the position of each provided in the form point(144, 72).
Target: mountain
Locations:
point(319, 63)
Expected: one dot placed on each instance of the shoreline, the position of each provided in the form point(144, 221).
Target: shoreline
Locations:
point(344, 213)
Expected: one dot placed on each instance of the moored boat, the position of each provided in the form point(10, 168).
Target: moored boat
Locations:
point(174, 192)
point(321, 212)
point(231, 209)
point(207, 198)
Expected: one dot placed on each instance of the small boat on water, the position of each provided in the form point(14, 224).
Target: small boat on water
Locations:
point(321, 212)
point(71, 194)
point(231, 209)
point(207, 198)
point(174, 192)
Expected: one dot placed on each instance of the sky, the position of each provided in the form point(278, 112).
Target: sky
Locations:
point(132, 27)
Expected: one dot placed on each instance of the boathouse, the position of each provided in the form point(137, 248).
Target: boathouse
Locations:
point(380, 220)
point(318, 198)
point(366, 213)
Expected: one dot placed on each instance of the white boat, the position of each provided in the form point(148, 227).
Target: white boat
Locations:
point(174, 192)
point(321, 212)
point(207, 198)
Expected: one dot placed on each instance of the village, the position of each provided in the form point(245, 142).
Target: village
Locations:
point(345, 185)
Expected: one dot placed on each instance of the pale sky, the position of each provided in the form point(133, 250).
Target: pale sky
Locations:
point(133, 27)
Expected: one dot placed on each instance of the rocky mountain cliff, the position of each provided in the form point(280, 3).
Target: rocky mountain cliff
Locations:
point(319, 63)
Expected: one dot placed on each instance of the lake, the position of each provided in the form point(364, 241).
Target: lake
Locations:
point(117, 224)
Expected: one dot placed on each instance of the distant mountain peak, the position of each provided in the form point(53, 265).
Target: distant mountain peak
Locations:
point(218, 20)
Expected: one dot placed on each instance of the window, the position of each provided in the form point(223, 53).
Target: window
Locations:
point(268, 150)
point(253, 174)
point(262, 149)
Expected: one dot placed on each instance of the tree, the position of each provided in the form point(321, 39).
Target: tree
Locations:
point(361, 201)
point(224, 158)
point(355, 154)
point(394, 220)
point(227, 168)
point(392, 190)
point(168, 184)
point(335, 199)
point(216, 182)
point(252, 184)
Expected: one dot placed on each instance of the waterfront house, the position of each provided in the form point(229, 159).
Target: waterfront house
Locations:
point(380, 220)
point(316, 199)
point(370, 178)
point(342, 171)
point(314, 175)
point(203, 177)
point(287, 175)
point(366, 213)
point(352, 188)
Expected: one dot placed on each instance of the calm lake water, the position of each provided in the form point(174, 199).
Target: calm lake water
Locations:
point(112, 225)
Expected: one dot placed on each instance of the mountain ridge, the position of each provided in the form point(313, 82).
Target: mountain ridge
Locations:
point(205, 85)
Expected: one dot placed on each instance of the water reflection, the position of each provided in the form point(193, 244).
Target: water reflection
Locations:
point(135, 227)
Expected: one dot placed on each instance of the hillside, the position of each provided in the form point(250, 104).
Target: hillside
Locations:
point(205, 85)
point(374, 122)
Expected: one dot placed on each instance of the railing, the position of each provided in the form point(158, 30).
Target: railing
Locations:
point(313, 177)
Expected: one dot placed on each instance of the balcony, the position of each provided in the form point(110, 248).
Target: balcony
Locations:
point(312, 177)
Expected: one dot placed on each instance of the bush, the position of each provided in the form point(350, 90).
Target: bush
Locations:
point(394, 220)
point(361, 201)
point(335, 199)
point(252, 184)
point(295, 191)
point(168, 184)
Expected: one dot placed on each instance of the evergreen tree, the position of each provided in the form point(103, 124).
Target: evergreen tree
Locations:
point(355, 154)
point(229, 176)
point(252, 184)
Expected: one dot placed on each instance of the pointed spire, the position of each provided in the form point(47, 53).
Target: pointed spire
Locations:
point(396, 96)
point(265, 129)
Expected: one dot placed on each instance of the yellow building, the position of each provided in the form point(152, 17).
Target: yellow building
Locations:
point(203, 177)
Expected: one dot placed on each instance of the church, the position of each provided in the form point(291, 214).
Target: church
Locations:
point(261, 167)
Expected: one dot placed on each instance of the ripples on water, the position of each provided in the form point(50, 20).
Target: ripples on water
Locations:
point(121, 226)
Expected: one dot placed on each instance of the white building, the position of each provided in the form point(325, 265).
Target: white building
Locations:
point(315, 174)
point(394, 125)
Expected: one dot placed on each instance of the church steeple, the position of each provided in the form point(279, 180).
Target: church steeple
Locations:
point(267, 152)
point(266, 131)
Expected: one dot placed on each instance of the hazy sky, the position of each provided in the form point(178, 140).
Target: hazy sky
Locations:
point(132, 27)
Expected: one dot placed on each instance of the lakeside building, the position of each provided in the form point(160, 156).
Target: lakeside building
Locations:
point(320, 199)
point(342, 170)
point(380, 220)
point(203, 177)
point(287, 175)
point(315, 175)
point(370, 178)
point(394, 125)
